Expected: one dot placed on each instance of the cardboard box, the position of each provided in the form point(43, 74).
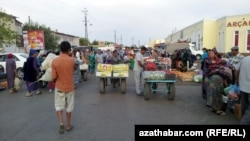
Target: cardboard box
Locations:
point(187, 78)
point(237, 111)
point(4, 84)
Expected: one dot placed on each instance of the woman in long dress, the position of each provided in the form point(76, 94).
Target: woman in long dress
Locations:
point(11, 73)
point(91, 58)
point(215, 77)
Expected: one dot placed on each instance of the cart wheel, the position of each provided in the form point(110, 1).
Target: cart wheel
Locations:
point(147, 91)
point(85, 76)
point(102, 85)
point(123, 86)
point(171, 92)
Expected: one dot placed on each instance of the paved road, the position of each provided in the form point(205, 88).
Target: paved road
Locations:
point(102, 117)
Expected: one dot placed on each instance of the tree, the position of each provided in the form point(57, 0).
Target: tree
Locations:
point(7, 34)
point(49, 38)
point(95, 42)
point(84, 42)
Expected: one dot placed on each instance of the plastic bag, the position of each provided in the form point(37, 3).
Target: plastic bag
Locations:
point(17, 83)
point(47, 76)
point(198, 78)
point(227, 89)
point(48, 61)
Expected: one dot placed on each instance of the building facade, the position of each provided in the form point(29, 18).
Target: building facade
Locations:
point(17, 45)
point(222, 33)
point(74, 40)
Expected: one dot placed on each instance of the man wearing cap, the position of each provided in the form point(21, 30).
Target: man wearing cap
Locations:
point(138, 68)
point(234, 59)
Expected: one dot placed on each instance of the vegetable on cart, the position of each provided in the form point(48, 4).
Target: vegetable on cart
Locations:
point(153, 77)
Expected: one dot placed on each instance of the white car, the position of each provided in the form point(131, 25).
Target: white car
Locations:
point(20, 58)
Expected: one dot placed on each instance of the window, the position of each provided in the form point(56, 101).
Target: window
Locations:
point(236, 38)
point(248, 40)
point(2, 58)
point(15, 58)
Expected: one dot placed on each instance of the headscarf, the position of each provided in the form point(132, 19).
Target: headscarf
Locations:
point(32, 52)
point(10, 56)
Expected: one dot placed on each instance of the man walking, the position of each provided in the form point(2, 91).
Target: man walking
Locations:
point(138, 68)
point(242, 78)
point(62, 72)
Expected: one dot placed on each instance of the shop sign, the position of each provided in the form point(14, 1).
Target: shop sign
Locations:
point(239, 23)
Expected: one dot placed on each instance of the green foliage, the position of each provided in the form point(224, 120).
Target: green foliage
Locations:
point(7, 33)
point(95, 42)
point(84, 42)
point(49, 38)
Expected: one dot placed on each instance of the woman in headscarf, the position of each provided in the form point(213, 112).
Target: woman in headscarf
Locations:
point(215, 76)
point(31, 71)
point(11, 73)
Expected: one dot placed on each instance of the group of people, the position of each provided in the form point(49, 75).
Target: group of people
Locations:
point(216, 75)
point(31, 70)
point(219, 73)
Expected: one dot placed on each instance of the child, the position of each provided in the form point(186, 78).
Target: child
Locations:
point(51, 86)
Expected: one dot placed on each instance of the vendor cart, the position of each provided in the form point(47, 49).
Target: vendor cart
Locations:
point(153, 79)
point(116, 78)
point(150, 88)
point(103, 83)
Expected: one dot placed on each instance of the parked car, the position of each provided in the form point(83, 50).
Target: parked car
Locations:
point(20, 58)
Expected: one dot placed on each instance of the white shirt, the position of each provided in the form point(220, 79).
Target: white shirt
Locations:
point(138, 57)
point(99, 58)
point(244, 77)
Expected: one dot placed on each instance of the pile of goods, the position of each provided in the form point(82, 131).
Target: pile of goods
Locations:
point(231, 96)
point(150, 66)
point(154, 75)
point(159, 75)
point(170, 75)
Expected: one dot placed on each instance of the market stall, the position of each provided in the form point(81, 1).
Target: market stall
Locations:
point(153, 76)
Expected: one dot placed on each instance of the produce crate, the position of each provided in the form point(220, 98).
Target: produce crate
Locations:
point(170, 76)
point(187, 77)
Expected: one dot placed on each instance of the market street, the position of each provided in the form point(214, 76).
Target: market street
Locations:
point(102, 117)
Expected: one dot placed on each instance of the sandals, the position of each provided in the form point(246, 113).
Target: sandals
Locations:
point(71, 127)
point(61, 129)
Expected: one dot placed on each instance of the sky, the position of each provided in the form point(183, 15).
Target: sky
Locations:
point(122, 21)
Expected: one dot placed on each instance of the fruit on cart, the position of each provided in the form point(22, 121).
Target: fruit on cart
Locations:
point(154, 75)
point(150, 66)
point(170, 75)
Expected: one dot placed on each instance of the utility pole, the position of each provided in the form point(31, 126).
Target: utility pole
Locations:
point(85, 11)
point(121, 39)
point(132, 41)
point(115, 36)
